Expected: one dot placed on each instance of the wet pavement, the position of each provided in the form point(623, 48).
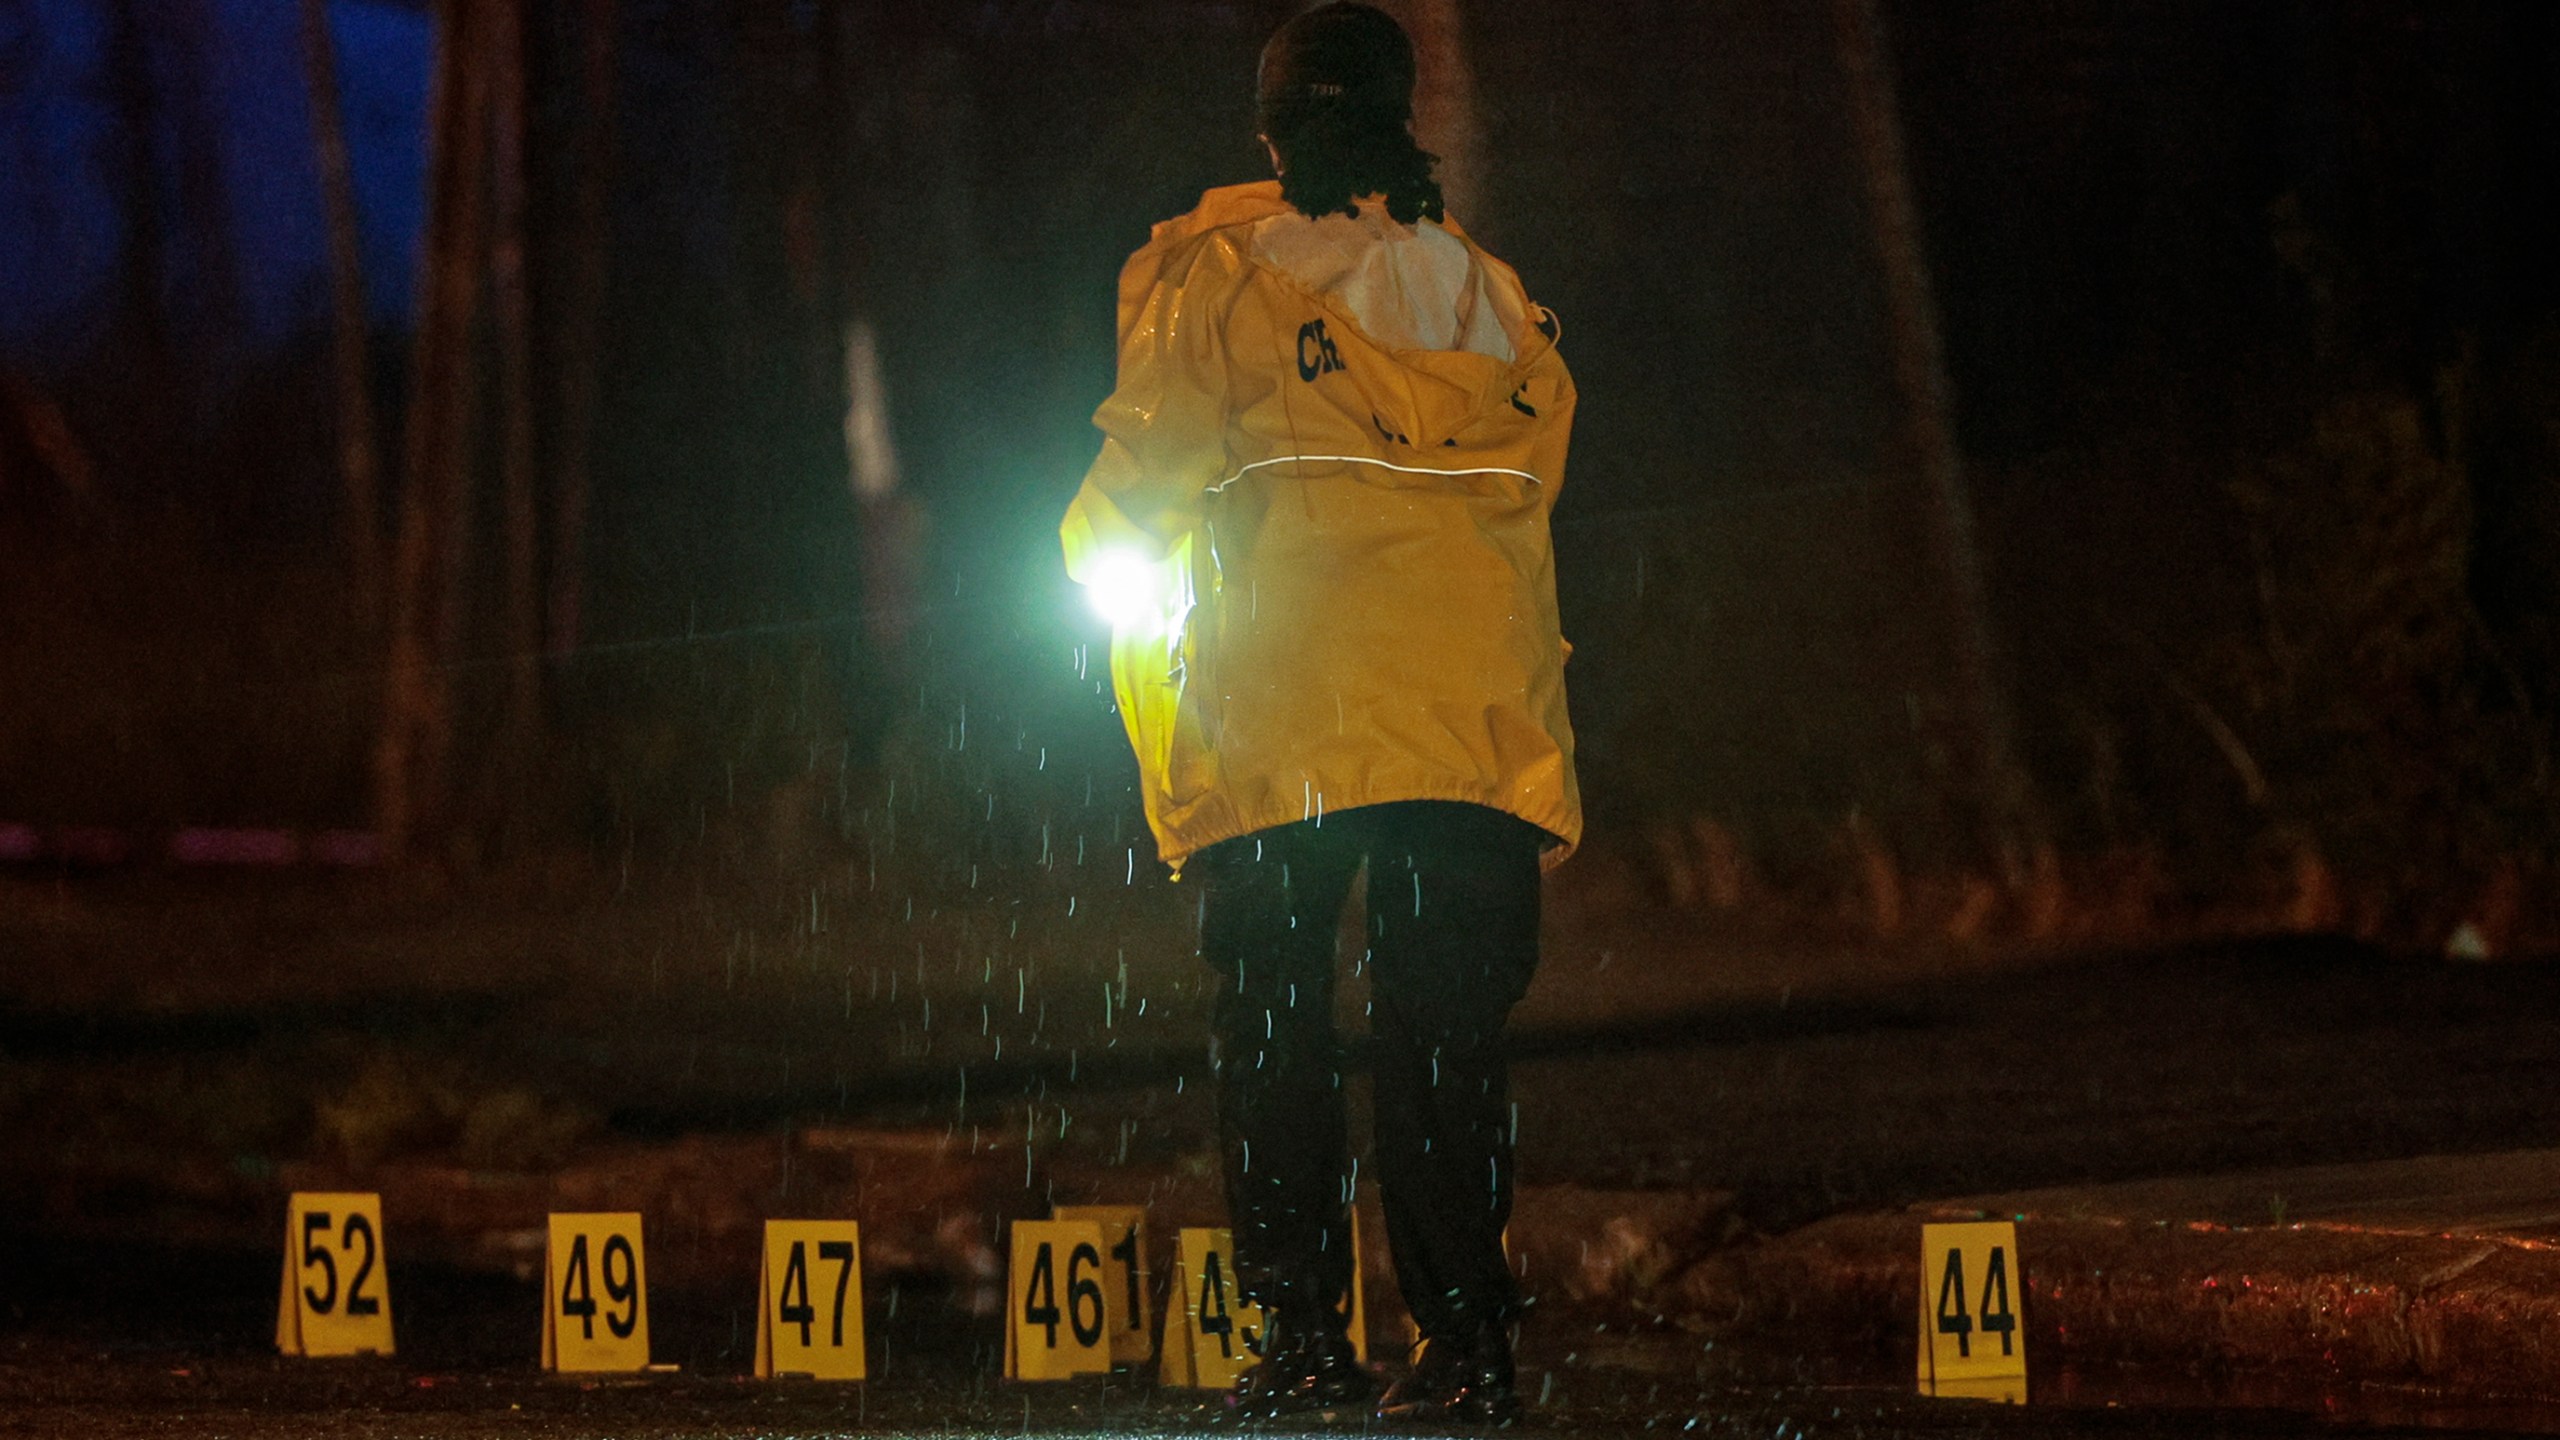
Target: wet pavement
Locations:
point(177, 1396)
point(167, 1074)
point(157, 1354)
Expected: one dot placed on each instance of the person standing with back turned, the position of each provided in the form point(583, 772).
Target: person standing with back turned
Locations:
point(1319, 523)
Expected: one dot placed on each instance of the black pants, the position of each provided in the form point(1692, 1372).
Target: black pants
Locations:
point(1453, 937)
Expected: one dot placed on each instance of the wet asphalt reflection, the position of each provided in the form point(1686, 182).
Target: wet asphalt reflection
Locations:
point(113, 1340)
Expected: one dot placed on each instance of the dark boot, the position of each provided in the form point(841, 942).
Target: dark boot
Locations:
point(1305, 1369)
point(1463, 1380)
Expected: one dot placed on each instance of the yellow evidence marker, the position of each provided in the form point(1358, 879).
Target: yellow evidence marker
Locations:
point(1212, 1334)
point(809, 1300)
point(1126, 1311)
point(336, 1298)
point(1973, 1339)
point(1355, 1305)
point(595, 1294)
point(1054, 1306)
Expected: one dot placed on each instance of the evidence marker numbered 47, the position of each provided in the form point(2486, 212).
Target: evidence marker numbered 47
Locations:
point(595, 1294)
point(336, 1296)
point(1973, 1337)
point(1057, 1315)
point(809, 1301)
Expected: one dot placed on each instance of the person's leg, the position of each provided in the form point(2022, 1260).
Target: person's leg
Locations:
point(1453, 918)
point(1270, 908)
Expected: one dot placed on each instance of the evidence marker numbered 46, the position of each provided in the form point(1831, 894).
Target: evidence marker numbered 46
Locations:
point(1126, 1279)
point(809, 1301)
point(1057, 1315)
point(336, 1297)
point(1973, 1337)
point(595, 1294)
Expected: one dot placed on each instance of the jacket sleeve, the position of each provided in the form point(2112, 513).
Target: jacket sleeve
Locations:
point(1164, 427)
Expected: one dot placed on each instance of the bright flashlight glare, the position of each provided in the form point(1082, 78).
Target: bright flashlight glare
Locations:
point(1124, 589)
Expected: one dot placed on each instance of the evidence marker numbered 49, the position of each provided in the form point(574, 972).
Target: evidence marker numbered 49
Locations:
point(336, 1296)
point(595, 1294)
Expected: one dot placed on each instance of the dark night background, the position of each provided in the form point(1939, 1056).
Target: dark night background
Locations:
point(535, 670)
point(2247, 313)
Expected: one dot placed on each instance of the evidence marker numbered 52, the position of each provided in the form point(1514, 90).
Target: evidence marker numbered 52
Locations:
point(595, 1294)
point(1973, 1338)
point(336, 1296)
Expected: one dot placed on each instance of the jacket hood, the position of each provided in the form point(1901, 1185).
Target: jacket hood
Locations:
point(1424, 393)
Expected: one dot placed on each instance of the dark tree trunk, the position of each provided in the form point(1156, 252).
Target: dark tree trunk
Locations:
point(591, 238)
point(1992, 787)
point(359, 455)
point(520, 724)
point(435, 492)
point(143, 331)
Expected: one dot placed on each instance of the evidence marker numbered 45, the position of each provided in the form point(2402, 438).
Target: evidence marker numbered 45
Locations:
point(1973, 1337)
point(809, 1301)
point(336, 1296)
point(595, 1294)
point(1212, 1334)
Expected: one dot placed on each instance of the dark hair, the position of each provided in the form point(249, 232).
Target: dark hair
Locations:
point(1336, 89)
point(1331, 158)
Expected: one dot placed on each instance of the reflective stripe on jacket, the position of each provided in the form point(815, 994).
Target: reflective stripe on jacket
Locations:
point(1349, 586)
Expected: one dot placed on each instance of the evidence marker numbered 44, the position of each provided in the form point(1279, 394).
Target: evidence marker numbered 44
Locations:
point(1973, 1337)
point(809, 1301)
point(595, 1294)
point(336, 1296)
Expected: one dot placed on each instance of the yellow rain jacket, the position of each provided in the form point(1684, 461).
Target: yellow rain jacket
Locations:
point(1347, 587)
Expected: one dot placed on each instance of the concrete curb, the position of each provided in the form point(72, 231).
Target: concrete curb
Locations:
point(2323, 1303)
